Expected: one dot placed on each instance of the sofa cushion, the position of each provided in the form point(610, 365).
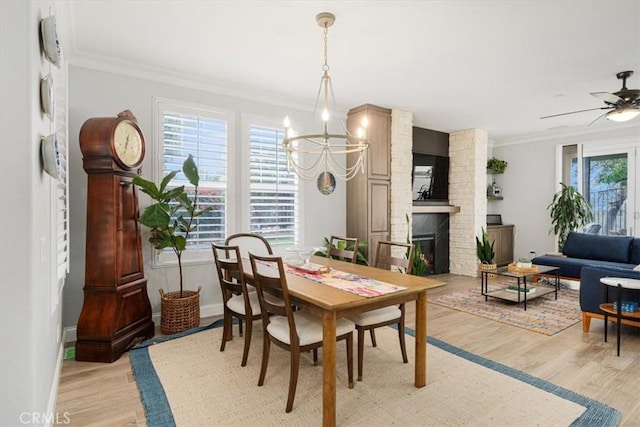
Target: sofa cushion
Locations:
point(571, 267)
point(592, 290)
point(635, 251)
point(602, 248)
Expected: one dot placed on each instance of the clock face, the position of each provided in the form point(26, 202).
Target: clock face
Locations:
point(127, 142)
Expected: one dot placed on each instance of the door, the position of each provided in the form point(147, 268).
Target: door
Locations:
point(609, 183)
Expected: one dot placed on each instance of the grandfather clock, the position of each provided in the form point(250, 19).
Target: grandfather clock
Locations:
point(116, 312)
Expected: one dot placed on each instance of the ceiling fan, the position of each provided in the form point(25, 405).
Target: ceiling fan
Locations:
point(624, 104)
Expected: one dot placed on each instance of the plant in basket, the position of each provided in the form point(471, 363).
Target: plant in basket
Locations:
point(485, 252)
point(170, 219)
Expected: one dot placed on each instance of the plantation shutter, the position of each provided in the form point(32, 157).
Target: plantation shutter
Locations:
point(273, 198)
point(205, 138)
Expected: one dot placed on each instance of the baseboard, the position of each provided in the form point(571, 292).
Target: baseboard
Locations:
point(70, 333)
point(53, 393)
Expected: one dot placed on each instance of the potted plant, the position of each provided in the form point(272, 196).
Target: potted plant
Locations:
point(496, 165)
point(569, 211)
point(485, 252)
point(361, 258)
point(523, 262)
point(170, 219)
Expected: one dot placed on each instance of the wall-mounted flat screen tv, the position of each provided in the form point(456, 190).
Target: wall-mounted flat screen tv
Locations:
point(430, 178)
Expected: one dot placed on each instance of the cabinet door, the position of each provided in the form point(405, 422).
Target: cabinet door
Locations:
point(502, 236)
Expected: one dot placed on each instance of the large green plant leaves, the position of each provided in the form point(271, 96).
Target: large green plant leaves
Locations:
point(569, 211)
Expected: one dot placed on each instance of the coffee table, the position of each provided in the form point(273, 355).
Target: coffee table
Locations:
point(520, 288)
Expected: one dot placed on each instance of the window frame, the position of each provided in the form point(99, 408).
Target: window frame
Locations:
point(162, 259)
point(247, 121)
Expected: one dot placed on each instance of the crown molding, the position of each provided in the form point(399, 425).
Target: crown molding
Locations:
point(611, 131)
point(190, 81)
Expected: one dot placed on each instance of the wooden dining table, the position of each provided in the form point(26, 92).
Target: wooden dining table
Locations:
point(331, 303)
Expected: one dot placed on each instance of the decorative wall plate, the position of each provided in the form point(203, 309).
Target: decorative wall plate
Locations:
point(50, 155)
point(47, 96)
point(326, 183)
point(50, 41)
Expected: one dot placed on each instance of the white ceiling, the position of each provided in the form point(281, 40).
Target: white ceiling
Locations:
point(494, 65)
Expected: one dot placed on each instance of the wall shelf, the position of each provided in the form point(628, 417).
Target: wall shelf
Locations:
point(495, 198)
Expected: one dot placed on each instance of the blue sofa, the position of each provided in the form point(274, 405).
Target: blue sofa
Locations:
point(589, 258)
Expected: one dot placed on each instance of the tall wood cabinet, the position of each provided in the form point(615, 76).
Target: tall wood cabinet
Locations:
point(369, 193)
point(502, 236)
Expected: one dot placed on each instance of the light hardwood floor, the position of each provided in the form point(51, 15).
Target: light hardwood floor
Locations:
point(106, 394)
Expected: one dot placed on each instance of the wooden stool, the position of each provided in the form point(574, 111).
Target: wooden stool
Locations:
point(620, 283)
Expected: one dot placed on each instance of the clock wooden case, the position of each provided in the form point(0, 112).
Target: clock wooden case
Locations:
point(116, 311)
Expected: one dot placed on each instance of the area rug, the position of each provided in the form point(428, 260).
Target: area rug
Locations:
point(544, 315)
point(187, 381)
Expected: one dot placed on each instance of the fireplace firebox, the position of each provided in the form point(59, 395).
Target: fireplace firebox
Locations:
point(431, 231)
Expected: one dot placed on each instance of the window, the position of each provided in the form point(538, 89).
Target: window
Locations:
point(204, 134)
point(245, 181)
point(273, 191)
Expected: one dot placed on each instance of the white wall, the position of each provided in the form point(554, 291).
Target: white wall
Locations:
point(30, 320)
point(531, 179)
point(94, 93)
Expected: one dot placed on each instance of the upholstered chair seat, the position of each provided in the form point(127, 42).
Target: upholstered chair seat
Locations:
point(374, 317)
point(308, 326)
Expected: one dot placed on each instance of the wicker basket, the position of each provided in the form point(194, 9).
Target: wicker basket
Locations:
point(179, 314)
point(488, 267)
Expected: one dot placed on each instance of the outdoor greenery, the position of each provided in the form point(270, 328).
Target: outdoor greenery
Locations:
point(171, 217)
point(614, 171)
point(569, 211)
point(484, 248)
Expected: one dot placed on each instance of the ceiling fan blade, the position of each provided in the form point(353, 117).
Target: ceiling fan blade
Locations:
point(574, 112)
point(608, 97)
point(598, 118)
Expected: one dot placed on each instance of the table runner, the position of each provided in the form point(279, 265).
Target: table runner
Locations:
point(349, 282)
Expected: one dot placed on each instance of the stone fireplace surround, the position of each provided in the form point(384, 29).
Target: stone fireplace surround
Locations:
point(467, 208)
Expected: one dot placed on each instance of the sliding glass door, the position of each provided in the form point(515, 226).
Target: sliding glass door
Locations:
point(607, 177)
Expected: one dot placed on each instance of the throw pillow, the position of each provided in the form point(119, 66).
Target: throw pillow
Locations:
point(637, 267)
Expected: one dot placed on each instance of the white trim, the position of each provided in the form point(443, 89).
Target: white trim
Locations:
point(55, 382)
point(573, 136)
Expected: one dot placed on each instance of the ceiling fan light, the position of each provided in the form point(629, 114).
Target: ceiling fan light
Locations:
point(623, 114)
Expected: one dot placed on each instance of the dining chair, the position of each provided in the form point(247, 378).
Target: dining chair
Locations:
point(249, 242)
point(295, 331)
point(389, 256)
point(237, 301)
point(349, 251)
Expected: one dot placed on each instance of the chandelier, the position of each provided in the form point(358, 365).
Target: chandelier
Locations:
point(314, 155)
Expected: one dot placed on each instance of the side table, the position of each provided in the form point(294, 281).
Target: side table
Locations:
point(619, 283)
